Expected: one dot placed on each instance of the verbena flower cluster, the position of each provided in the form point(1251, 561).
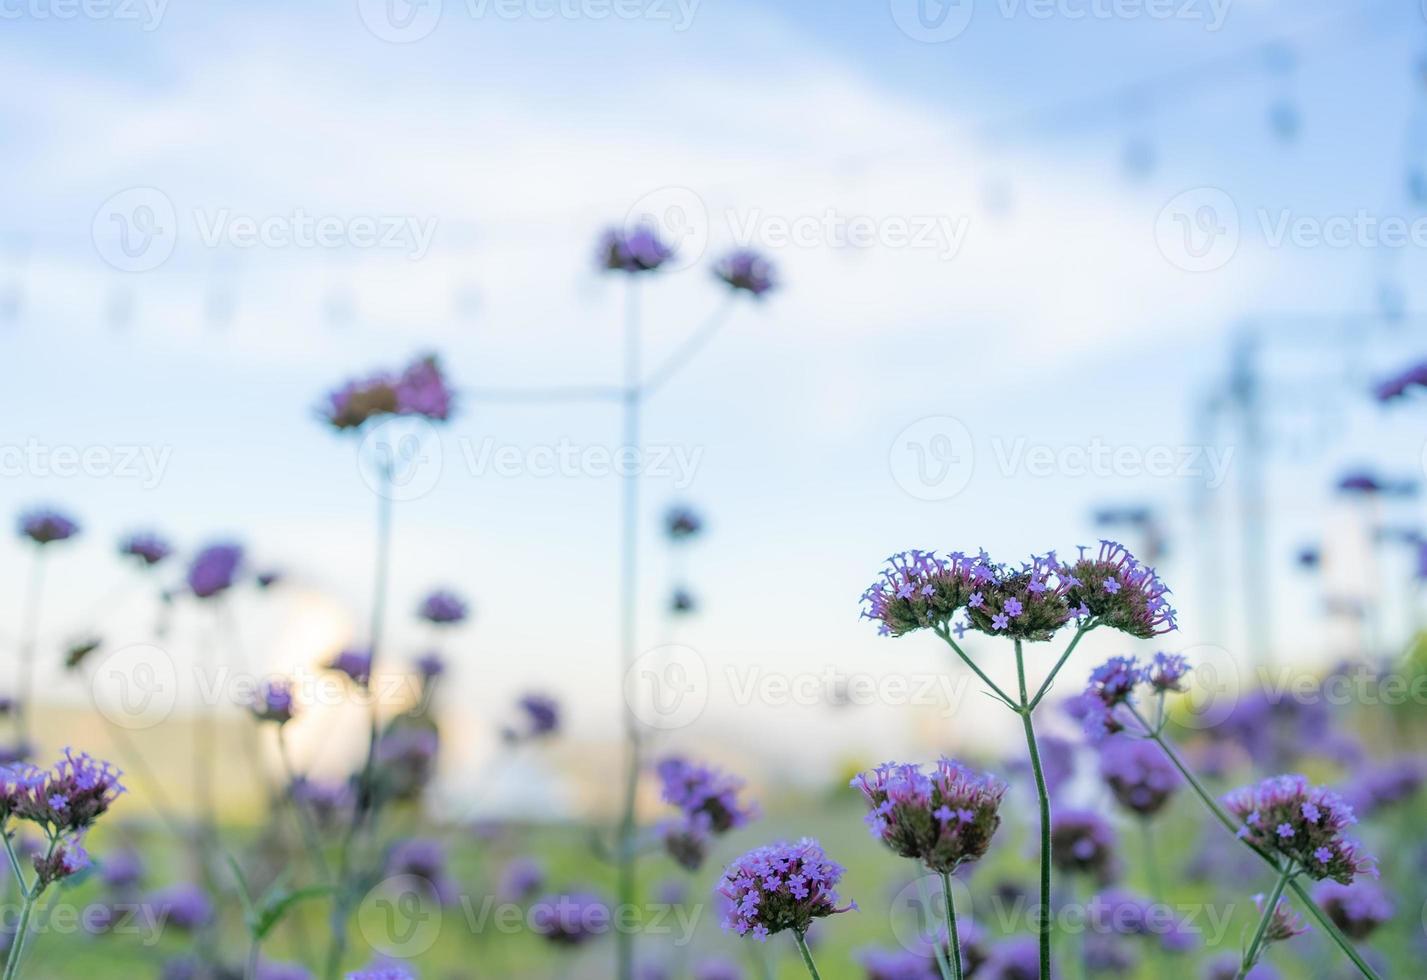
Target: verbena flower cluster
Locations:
point(942, 819)
point(635, 250)
point(145, 546)
point(747, 270)
point(780, 886)
point(46, 526)
point(214, 569)
point(1082, 842)
point(1357, 909)
point(707, 799)
point(1119, 591)
point(443, 608)
point(682, 523)
point(64, 801)
point(1303, 823)
point(1113, 684)
point(420, 389)
point(273, 701)
point(355, 662)
point(539, 718)
point(1138, 773)
point(1390, 389)
point(571, 918)
point(1030, 601)
point(1283, 924)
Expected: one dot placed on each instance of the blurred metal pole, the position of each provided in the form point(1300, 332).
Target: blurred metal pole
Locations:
point(1255, 593)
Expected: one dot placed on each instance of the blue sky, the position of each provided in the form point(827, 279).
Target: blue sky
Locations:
point(1047, 312)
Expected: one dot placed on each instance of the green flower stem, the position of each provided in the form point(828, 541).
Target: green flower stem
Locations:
point(1050, 678)
point(945, 634)
point(1336, 934)
point(1043, 798)
point(1151, 861)
point(1251, 955)
point(304, 819)
point(807, 955)
point(952, 937)
point(28, 897)
point(943, 965)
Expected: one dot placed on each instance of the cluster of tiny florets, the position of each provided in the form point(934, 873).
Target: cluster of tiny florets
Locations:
point(273, 701)
point(708, 802)
point(746, 270)
point(639, 249)
point(943, 818)
point(214, 569)
point(443, 608)
point(1303, 823)
point(1117, 590)
point(780, 886)
point(146, 547)
point(1024, 603)
point(918, 590)
point(1357, 909)
point(46, 526)
point(1283, 924)
point(1113, 684)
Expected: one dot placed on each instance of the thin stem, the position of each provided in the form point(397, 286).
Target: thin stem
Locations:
point(945, 634)
point(14, 860)
point(943, 964)
point(1043, 798)
point(1151, 860)
point(807, 955)
point(689, 348)
point(952, 937)
point(28, 897)
point(254, 954)
point(1050, 678)
point(1251, 955)
point(1331, 928)
point(304, 819)
point(628, 579)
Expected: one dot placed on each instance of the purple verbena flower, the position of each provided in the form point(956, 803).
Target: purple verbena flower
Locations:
point(424, 858)
point(184, 906)
point(1395, 387)
point(919, 590)
point(430, 665)
point(716, 968)
point(406, 760)
point(1357, 909)
point(1024, 603)
point(682, 523)
point(419, 390)
point(747, 270)
point(521, 878)
point(705, 791)
point(1384, 785)
point(273, 701)
point(570, 918)
point(633, 250)
point(145, 546)
point(122, 869)
point(1316, 846)
point(46, 526)
point(1111, 685)
point(355, 662)
point(898, 964)
point(66, 858)
point(328, 802)
point(443, 608)
point(1082, 842)
point(1012, 959)
point(942, 819)
point(540, 717)
point(65, 799)
point(214, 569)
point(1138, 773)
point(780, 886)
point(1116, 590)
point(1166, 672)
point(682, 602)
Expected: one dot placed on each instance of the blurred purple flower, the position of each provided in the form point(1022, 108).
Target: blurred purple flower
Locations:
point(1284, 924)
point(704, 791)
point(383, 971)
point(1395, 387)
point(406, 760)
point(682, 523)
point(46, 526)
point(1227, 968)
point(273, 970)
point(273, 701)
point(214, 569)
point(430, 665)
point(329, 802)
point(148, 548)
point(780, 886)
point(571, 918)
point(942, 819)
point(521, 878)
point(682, 602)
point(1303, 823)
point(424, 858)
point(1363, 482)
point(1082, 842)
point(633, 250)
point(443, 608)
point(716, 968)
point(355, 662)
point(1357, 909)
point(184, 906)
point(541, 717)
point(64, 858)
point(747, 270)
point(897, 964)
point(1017, 958)
point(1138, 773)
point(1384, 785)
point(121, 869)
point(420, 389)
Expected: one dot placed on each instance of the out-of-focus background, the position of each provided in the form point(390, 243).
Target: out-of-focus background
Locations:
point(1048, 272)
